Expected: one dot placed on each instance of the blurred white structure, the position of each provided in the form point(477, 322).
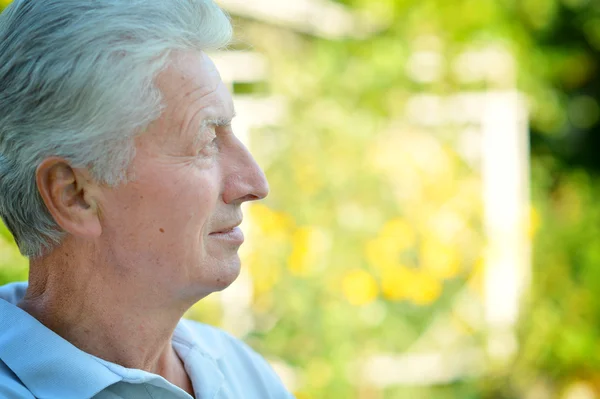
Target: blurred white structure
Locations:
point(506, 215)
point(316, 17)
point(495, 142)
point(425, 368)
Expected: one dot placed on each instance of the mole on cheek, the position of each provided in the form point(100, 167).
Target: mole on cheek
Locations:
point(162, 230)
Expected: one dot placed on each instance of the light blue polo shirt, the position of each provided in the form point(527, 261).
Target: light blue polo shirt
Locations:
point(37, 363)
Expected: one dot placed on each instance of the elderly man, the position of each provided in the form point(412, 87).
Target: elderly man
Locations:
point(122, 181)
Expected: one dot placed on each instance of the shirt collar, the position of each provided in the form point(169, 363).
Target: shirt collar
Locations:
point(196, 338)
point(50, 366)
point(47, 364)
point(200, 359)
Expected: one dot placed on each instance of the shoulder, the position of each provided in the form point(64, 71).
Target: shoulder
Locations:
point(10, 386)
point(236, 359)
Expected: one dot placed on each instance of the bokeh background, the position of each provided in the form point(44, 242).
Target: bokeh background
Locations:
point(433, 227)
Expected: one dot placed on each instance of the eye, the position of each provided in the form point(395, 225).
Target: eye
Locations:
point(213, 145)
point(210, 148)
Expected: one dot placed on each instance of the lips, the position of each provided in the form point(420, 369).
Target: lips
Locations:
point(227, 230)
point(223, 231)
point(233, 235)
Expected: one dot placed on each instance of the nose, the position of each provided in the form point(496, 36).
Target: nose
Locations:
point(244, 179)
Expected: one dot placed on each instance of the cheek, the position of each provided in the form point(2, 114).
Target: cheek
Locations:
point(174, 202)
point(186, 204)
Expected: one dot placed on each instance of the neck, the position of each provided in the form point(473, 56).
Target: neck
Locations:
point(106, 313)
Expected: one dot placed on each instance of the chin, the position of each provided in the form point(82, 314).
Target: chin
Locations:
point(228, 273)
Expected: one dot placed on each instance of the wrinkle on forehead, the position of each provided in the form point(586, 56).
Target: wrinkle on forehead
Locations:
point(191, 85)
point(189, 72)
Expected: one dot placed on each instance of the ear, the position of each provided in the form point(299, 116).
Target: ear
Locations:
point(70, 196)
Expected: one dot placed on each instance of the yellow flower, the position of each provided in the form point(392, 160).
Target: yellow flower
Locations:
point(297, 261)
point(309, 246)
point(425, 289)
point(381, 252)
point(440, 186)
point(395, 282)
point(395, 237)
point(400, 231)
point(404, 283)
point(359, 287)
point(439, 259)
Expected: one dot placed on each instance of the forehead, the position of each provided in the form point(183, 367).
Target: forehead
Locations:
point(190, 68)
point(193, 91)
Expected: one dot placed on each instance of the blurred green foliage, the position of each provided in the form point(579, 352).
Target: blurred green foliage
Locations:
point(353, 252)
point(342, 164)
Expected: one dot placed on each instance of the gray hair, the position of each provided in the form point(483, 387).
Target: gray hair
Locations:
point(77, 81)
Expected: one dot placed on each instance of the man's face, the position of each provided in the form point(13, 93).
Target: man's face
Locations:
point(174, 225)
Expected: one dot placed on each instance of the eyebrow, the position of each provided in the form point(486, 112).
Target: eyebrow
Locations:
point(216, 122)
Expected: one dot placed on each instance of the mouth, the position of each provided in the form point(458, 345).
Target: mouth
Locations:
point(227, 230)
point(232, 234)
